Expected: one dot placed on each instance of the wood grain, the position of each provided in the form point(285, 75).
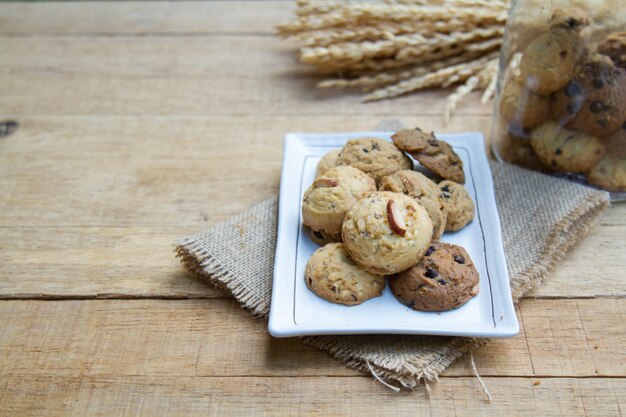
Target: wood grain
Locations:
point(172, 76)
point(218, 339)
point(315, 396)
point(111, 18)
point(141, 122)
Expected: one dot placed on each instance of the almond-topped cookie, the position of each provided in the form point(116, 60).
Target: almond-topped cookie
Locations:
point(436, 155)
point(331, 274)
point(445, 278)
point(423, 190)
point(330, 196)
point(386, 232)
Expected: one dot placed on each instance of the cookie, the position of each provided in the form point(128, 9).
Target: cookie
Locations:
point(375, 157)
point(522, 108)
point(458, 204)
point(331, 195)
point(327, 162)
point(434, 154)
point(518, 151)
point(609, 173)
point(566, 150)
point(616, 142)
point(321, 237)
point(444, 279)
point(549, 61)
point(594, 101)
point(331, 274)
point(614, 46)
point(386, 232)
point(423, 190)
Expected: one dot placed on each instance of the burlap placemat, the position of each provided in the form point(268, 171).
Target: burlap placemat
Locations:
point(541, 216)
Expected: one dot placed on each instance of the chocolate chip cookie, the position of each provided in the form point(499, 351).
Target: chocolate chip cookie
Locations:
point(594, 101)
point(436, 155)
point(423, 190)
point(331, 274)
point(566, 150)
point(445, 278)
point(616, 142)
point(330, 196)
point(386, 232)
point(458, 204)
point(375, 157)
point(549, 61)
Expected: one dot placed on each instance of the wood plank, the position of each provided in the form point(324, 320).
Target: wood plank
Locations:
point(167, 76)
point(154, 171)
point(143, 17)
point(52, 395)
point(162, 161)
point(215, 338)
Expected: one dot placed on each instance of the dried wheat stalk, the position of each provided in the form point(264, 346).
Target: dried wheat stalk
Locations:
point(394, 47)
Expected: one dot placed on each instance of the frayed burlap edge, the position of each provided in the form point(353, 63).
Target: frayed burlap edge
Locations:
point(562, 238)
point(564, 235)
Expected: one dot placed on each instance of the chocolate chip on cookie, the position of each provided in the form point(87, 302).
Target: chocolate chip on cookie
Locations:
point(445, 278)
point(436, 155)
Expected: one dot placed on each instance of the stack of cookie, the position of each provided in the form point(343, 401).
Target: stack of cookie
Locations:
point(563, 107)
point(377, 218)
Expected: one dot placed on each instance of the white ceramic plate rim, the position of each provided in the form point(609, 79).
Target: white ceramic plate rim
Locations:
point(282, 321)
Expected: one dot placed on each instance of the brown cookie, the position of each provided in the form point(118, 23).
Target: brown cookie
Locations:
point(614, 46)
point(436, 155)
point(594, 101)
point(458, 204)
point(566, 150)
point(445, 278)
point(322, 237)
point(549, 61)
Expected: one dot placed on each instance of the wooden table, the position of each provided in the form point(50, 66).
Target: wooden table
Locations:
point(143, 122)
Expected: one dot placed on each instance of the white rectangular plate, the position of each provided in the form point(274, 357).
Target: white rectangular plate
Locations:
point(296, 311)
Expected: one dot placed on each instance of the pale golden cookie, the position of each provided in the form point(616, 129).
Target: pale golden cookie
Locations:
point(521, 107)
point(423, 190)
point(566, 150)
point(549, 61)
point(331, 195)
point(331, 274)
point(459, 205)
point(609, 173)
point(375, 157)
point(445, 278)
point(327, 162)
point(387, 232)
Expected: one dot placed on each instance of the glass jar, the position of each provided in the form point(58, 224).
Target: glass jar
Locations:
point(561, 96)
